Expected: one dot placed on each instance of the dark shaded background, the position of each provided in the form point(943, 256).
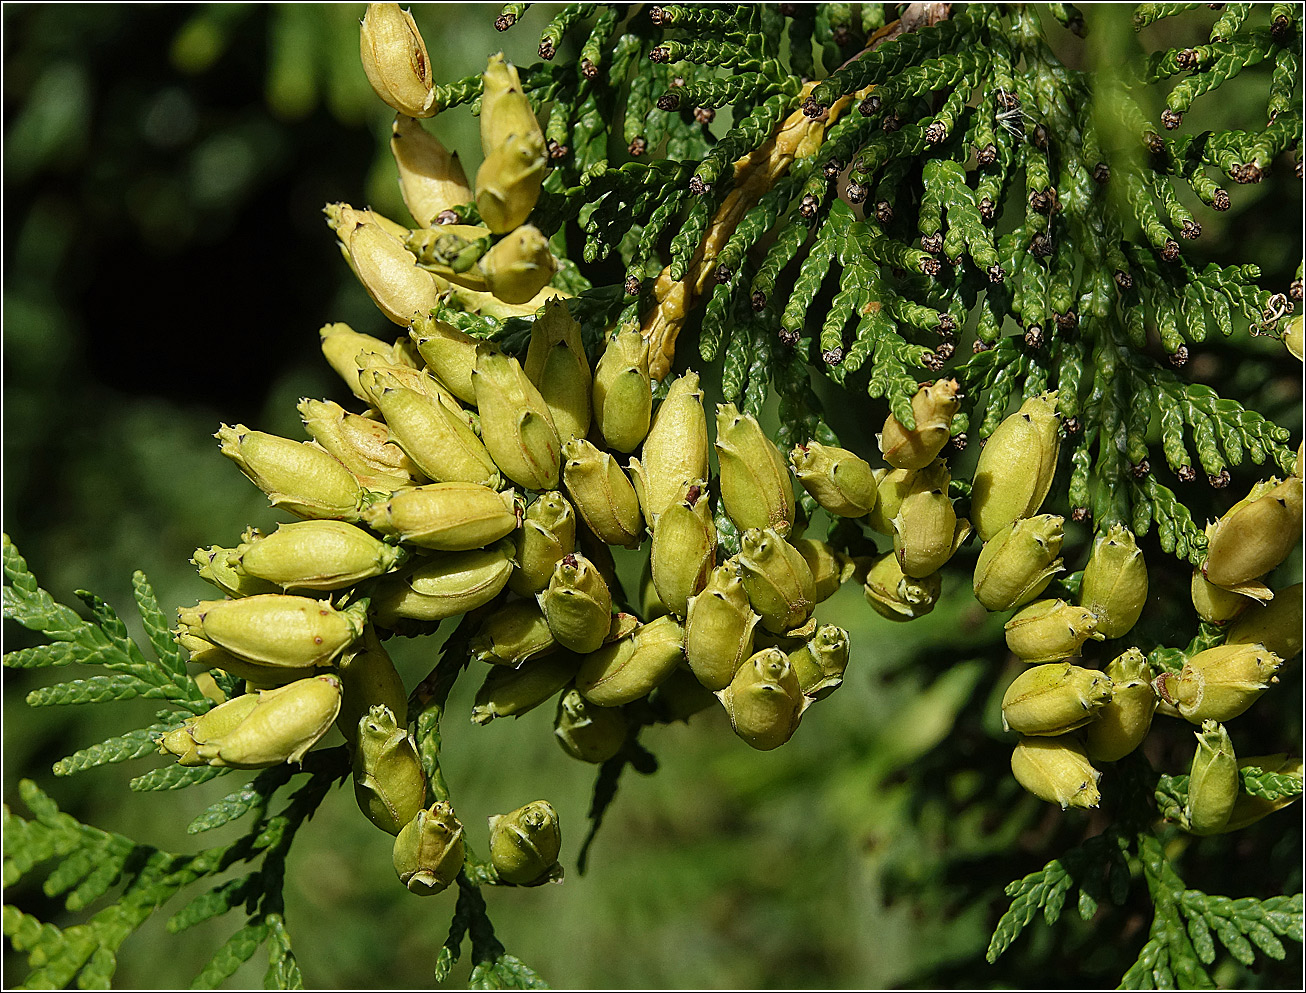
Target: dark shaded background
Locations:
point(166, 268)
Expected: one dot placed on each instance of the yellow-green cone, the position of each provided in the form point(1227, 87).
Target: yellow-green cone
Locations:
point(895, 485)
point(362, 445)
point(395, 60)
point(431, 179)
point(449, 354)
point(284, 724)
point(515, 421)
point(342, 346)
point(1048, 630)
point(1018, 562)
point(926, 532)
point(629, 668)
point(452, 517)
point(557, 365)
point(1254, 536)
point(505, 110)
point(840, 481)
point(1219, 683)
point(1277, 625)
point(1215, 605)
point(547, 533)
point(764, 700)
point(756, 488)
point(1114, 587)
point(368, 678)
point(1054, 698)
point(263, 675)
point(830, 567)
point(316, 555)
point(276, 630)
point(398, 286)
point(932, 408)
point(519, 265)
point(524, 845)
point(429, 851)
point(820, 663)
point(512, 692)
point(389, 784)
point(684, 547)
point(221, 720)
point(587, 731)
point(508, 182)
point(446, 585)
point(214, 565)
point(435, 435)
point(295, 475)
point(779, 583)
point(623, 397)
point(719, 628)
point(1056, 770)
point(577, 604)
point(1213, 781)
point(1015, 468)
point(1125, 719)
point(897, 596)
point(676, 449)
point(601, 493)
point(515, 633)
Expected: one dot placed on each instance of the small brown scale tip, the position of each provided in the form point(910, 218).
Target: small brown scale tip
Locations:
point(1154, 142)
point(1067, 321)
point(947, 325)
point(945, 350)
point(987, 208)
point(1170, 251)
point(1295, 289)
point(1007, 101)
point(959, 441)
point(884, 212)
point(870, 105)
point(1171, 119)
point(979, 346)
point(931, 267)
point(632, 285)
point(788, 337)
point(932, 243)
point(1040, 246)
point(697, 186)
point(1080, 514)
point(1186, 474)
point(1191, 230)
point(1220, 200)
point(1041, 200)
point(569, 560)
point(691, 495)
point(660, 54)
point(504, 21)
point(1186, 59)
point(1124, 280)
point(1220, 480)
point(855, 193)
point(1141, 469)
point(1281, 28)
point(932, 361)
point(704, 115)
point(1040, 137)
point(446, 217)
point(556, 151)
point(657, 15)
point(808, 207)
point(588, 69)
point(547, 50)
point(987, 155)
point(832, 168)
point(1072, 425)
point(758, 300)
point(1101, 173)
point(891, 123)
point(833, 356)
point(724, 274)
point(1179, 358)
point(936, 133)
point(1034, 336)
point(669, 101)
point(1247, 173)
point(638, 146)
point(814, 110)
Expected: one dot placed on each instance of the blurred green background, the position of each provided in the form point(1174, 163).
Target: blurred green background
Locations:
point(166, 268)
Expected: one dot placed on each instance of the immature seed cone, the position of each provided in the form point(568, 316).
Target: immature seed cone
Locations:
point(1123, 721)
point(218, 722)
point(395, 60)
point(684, 547)
point(512, 692)
point(514, 634)
point(214, 565)
point(505, 110)
point(756, 488)
point(1054, 698)
point(1219, 683)
point(389, 784)
point(429, 850)
point(601, 493)
point(1215, 605)
point(676, 448)
point(895, 485)
point(361, 444)
point(449, 354)
point(519, 265)
point(779, 583)
point(1015, 468)
point(547, 533)
point(577, 604)
point(515, 421)
point(445, 585)
point(840, 481)
point(431, 179)
point(623, 397)
point(830, 567)
point(368, 678)
point(399, 287)
point(524, 845)
point(1018, 562)
point(508, 182)
point(626, 669)
point(932, 407)
point(820, 663)
point(295, 475)
point(1056, 770)
point(587, 731)
point(557, 365)
point(764, 700)
point(316, 555)
point(1254, 537)
point(1114, 587)
point(1277, 625)
point(282, 726)
point(719, 626)
point(1048, 630)
point(895, 595)
point(452, 517)
point(342, 346)
point(273, 629)
point(1213, 781)
point(926, 532)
